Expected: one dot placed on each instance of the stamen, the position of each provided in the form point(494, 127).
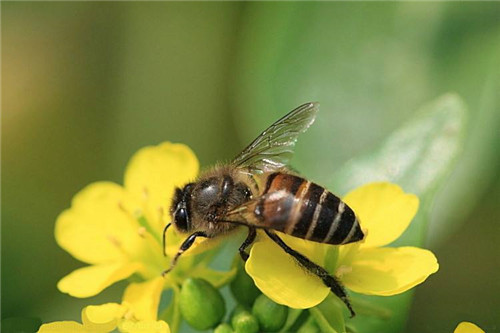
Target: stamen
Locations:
point(121, 207)
point(114, 241)
point(143, 222)
point(145, 193)
point(142, 232)
point(129, 315)
point(117, 244)
point(161, 214)
point(138, 214)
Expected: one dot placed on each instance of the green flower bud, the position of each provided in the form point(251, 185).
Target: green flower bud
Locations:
point(239, 308)
point(242, 287)
point(223, 328)
point(201, 305)
point(244, 322)
point(271, 316)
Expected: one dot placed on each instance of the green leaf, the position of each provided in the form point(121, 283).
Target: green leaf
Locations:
point(416, 156)
point(296, 52)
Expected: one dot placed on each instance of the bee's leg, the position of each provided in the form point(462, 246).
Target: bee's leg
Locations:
point(329, 281)
point(164, 239)
point(184, 247)
point(249, 240)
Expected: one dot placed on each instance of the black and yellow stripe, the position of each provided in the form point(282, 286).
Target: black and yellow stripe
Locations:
point(309, 211)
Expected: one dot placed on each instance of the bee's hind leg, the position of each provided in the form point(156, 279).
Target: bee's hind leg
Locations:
point(184, 247)
point(249, 240)
point(329, 281)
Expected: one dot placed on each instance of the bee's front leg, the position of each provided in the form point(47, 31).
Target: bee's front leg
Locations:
point(164, 237)
point(249, 240)
point(184, 247)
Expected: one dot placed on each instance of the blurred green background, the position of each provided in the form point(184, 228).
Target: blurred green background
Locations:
point(85, 85)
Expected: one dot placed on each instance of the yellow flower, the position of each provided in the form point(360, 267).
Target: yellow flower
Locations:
point(118, 229)
point(466, 327)
point(384, 211)
point(106, 318)
point(136, 314)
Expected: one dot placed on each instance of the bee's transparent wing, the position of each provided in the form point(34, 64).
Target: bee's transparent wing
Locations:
point(273, 149)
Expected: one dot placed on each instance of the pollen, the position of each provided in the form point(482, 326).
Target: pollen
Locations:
point(343, 269)
point(142, 232)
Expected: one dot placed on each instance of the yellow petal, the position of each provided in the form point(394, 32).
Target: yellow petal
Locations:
point(279, 276)
point(466, 327)
point(91, 280)
point(145, 326)
point(62, 327)
point(174, 240)
point(384, 211)
point(144, 298)
point(102, 318)
point(153, 173)
point(99, 227)
point(388, 271)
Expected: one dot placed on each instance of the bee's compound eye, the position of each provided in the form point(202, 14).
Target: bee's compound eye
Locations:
point(181, 219)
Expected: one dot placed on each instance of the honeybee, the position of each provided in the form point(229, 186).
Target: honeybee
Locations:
point(256, 190)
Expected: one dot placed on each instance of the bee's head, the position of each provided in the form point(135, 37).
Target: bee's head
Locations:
point(180, 208)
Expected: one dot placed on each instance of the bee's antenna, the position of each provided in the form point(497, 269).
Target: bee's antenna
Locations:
point(164, 236)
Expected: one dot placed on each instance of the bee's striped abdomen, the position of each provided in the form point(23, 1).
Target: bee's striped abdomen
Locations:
point(307, 211)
